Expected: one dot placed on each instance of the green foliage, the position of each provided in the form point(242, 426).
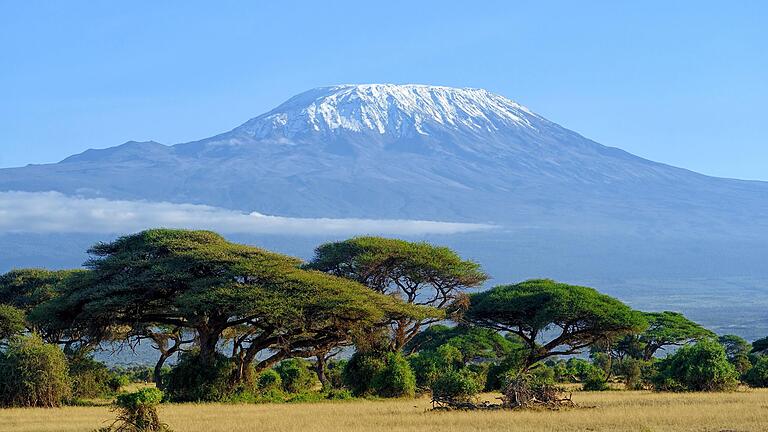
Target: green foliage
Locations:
point(760, 346)
point(135, 374)
point(737, 350)
point(137, 412)
point(27, 288)
point(118, 381)
point(510, 365)
point(700, 367)
point(427, 365)
point(474, 343)
point(191, 380)
point(457, 386)
point(90, 378)
point(669, 329)
point(757, 376)
point(583, 316)
point(396, 379)
point(360, 371)
point(295, 375)
point(11, 322)
point(417, 272)
point(595, 379)
point(634, 372)
point(33, 374)
point(334, 373)
point(338, 394)
point(268, 381)
point(200, 282)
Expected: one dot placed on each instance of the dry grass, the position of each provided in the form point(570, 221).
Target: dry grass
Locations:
point(613, 411)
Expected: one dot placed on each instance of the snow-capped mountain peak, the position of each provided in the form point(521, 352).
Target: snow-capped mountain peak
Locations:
point(390, 109)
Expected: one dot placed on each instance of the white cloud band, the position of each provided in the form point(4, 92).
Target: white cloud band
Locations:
point(48, 212)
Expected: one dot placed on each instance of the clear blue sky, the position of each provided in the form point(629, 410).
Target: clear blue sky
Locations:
point(683, 82)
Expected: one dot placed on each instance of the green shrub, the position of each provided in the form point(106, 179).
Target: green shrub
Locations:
point(632, 372)
point(496, 376)
point(457, 386)
point(295, 375)
point(360, 371)
point(90, 378)
point(757, 376)
point(339, 394)
point(191, 381)
point(33, 374)
point(137, 412)
point(425, 368)
point(118, 381)
point(334, 373)
point(268, 381)
point(700, 367)
point(396, 379)
point(428, 365)
point(479, 373)
point(595, 380)
point(578, 368)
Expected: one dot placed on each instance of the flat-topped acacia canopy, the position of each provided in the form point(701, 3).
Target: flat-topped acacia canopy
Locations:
point(576, 316)
point(199, 281)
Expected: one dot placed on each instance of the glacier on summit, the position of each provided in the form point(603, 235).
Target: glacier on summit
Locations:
point(396, 110)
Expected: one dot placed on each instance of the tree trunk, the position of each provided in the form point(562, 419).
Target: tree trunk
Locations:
point(157, 373)
point(208, 341)
point(320, 369)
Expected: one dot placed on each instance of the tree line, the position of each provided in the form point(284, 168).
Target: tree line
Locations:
point(244, 323)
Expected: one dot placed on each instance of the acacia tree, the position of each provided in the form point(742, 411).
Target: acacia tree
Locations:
point(760, 346)
point(198, 281)
point(737, 351)
point(419, 273)
point(667, 329)
point(26, 289)
point(552, 318)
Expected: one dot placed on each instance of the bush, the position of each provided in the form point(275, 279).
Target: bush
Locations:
point(700, 367)
point(269, 380)
point(118, 381)
point(338, 394)
point(360, 371)
point(428, 365)
point(334, 373)
point(632, 372)
point(33, 374)
point(295, 375)
point(90, 378)
point(497, 374)
point(396, 379)
point(190, 381)
point(137, 412)
point(455, 386)
point(757, 376)
point(595, 380)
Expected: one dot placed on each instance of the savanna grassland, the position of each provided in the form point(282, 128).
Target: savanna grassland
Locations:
point(600, 411)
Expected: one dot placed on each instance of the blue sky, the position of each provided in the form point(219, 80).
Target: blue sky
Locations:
point(685, 83)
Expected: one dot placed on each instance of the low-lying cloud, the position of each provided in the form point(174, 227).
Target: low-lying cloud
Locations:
point(53, 212)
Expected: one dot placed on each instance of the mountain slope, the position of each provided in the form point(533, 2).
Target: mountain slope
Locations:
point(411, 151)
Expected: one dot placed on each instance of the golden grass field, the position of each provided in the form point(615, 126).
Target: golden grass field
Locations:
point(612, 411)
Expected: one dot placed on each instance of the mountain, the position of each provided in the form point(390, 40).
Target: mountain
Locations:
point(406, 151)
point(564, 206)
